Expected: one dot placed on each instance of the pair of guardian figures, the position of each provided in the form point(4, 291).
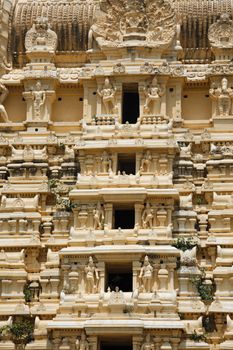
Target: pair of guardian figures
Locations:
point(153, 94)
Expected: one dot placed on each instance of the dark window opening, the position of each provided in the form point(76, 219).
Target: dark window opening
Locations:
point(124, 218)
point(119, 276)
point(115, 346)
point(127, 163)
point(130, 108)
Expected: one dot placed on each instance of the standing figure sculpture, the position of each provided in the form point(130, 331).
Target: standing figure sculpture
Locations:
point(107, 95)
point(146, 162)
point(146, 275)
point(223, 95)
point(147, 217)
point(98, 216)
point(106, 163)
point(39, 97)
point(3, 95)
point(153, 95)
point(148, 344)
point(92, 277)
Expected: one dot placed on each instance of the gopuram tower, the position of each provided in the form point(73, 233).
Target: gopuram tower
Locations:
point(116, 175)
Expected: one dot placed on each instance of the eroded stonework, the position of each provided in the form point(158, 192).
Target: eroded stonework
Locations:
point(116, 201)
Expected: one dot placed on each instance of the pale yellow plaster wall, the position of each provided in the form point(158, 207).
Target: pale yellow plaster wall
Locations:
point(196, 104)
point(15, 105)
point(68, 106)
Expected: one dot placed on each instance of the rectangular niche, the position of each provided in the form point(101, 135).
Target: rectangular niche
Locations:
point(196, 103)
point(123, 217)
point(115, 342)
point(126, 163)
point(119, 275)
point(130, 103)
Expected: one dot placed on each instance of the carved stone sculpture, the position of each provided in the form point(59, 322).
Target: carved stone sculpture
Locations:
point(98, 216)
point(39, 97)
point(106, 163)
point(40, 37)
point(223, 96)
point(153, 94)
point(3, 95)
point(92, 277)
point(107, 94)
point(188, 257)
point(148, 344)
point(83, 343)
point(221, 32)
point(146, 275)
point(146, 162)
point(150, 24)
point(147, 217)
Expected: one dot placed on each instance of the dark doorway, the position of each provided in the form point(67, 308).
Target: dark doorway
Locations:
point(127, 163)
point(130, 108)
point(119, 275)
point(124, 218)
point(115, 346)
point(118, 343)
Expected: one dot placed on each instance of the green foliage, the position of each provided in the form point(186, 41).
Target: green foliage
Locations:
point(62, 203)
point(53, 183)
point(197, 337)
point(27, 293)
point(20, 332)
point(61, 145)
point(205, 290)
point(183, 243)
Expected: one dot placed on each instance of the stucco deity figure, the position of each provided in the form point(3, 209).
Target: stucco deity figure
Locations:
point(3, 95)
point(146, 162)
point(148, 344)
point(98, 217)
point(92, 277)
point(153, 95)
point(135, 22)
point(39, 98)
point(147, 217)
point(106, 163)
point(223, 95)
point(107, 95)
point(83, 343)
point(145, 276)
point(40, 37)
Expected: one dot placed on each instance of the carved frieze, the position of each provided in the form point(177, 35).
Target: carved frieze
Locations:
point(135, 23)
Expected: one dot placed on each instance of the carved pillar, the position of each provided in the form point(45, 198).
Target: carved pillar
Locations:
point(137, 341)
point(102, 276)
point(93, 342)
point(108, 208)
point(136, 269)
point(138, 214)
point(163, 110)
point(177, 115)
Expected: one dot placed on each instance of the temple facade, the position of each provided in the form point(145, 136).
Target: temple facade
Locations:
point(116, 175)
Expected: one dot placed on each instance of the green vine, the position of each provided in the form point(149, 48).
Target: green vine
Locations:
point(184, 244)
point(197, 337)
point(20, 332)
point(27, 293)
point(204, 289)
point(62, 202)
